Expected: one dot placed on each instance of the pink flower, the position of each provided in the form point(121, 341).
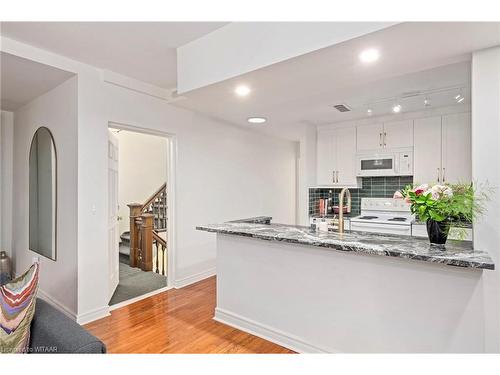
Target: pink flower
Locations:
point(397, 195)
point(419, 190)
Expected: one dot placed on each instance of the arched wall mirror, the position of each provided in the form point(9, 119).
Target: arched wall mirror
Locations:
point(43, 194)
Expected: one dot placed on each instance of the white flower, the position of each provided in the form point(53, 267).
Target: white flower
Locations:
point(397, 195)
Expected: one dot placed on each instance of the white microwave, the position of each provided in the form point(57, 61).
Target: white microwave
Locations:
point(398, 163)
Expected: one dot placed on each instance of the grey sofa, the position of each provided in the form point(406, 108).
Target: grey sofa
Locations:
point(54, 332)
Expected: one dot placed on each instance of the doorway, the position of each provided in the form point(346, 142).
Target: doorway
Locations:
point(140, 250)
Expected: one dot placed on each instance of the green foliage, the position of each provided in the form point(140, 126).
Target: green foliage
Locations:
point(463, 205)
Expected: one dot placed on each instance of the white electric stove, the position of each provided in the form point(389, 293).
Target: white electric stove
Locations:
point(384, 215)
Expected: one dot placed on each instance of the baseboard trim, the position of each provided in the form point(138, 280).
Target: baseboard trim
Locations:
point(58, 305)
point(137, 299)
point(265, 332)
point(181, 283)
point(93, 315)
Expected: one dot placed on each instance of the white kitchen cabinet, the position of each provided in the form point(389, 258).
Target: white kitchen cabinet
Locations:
point(427, 150)
point(326, 157)
point(398, 134)
point(442, 149)
point(346, 156)
point(336, 157)
point(387, 135)
point(369, 137)
point(456, 148)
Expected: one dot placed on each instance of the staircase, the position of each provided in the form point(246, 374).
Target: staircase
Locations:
point(148, 250)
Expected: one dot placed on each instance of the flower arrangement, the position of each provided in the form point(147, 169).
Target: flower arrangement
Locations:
point(442, 205)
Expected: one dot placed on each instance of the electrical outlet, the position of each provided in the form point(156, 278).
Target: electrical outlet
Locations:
point(36, 259)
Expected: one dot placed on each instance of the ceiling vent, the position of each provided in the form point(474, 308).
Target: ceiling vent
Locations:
point(342, 107)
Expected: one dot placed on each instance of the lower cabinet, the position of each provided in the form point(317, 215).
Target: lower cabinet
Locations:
point(420, 230)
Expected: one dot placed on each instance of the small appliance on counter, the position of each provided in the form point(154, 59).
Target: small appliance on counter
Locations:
point(327, 223)
point(384, 215)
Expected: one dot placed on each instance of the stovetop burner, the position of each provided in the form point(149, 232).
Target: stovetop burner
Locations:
point(397, 219)
point(368, 217)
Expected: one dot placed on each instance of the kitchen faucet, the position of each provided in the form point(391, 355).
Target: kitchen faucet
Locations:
point(344, 192)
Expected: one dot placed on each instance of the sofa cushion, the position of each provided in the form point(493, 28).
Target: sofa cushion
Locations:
point(17, 306)
point(53, 332)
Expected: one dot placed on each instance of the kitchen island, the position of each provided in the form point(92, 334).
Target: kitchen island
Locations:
point(349, 292)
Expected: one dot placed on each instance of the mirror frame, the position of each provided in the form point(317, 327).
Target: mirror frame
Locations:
point(55, 193)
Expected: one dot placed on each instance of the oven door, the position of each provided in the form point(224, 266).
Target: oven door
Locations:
point(380, 165)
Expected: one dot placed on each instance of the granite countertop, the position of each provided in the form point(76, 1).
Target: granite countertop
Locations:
point(456, 253)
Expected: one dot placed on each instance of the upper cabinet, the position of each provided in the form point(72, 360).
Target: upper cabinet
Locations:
point(369, 137)
point(336, 157)
point(398, 134)
point(442, 151)
point(387, 135)
point(427, 150)
point(456, 153)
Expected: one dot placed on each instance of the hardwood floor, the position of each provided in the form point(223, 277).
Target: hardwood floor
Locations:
point(176, 321)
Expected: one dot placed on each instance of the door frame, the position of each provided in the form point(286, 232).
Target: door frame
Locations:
point(171, 191)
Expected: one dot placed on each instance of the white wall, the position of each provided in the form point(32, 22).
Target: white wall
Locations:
point(223, 173)
point(6, 163)
point(486, 168)
point(142, 169)
point(56, 110)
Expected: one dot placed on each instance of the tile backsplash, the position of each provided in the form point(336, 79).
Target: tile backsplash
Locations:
point(372, 187)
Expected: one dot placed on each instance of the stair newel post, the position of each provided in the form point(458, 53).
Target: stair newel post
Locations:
point(147, 242)
point(135, 212)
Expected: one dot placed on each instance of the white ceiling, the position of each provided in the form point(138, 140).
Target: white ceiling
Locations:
point(299, 91)
point(142, 50)
point(23, 80)
point(302, 90)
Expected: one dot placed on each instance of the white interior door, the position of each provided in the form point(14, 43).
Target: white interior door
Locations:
point(113, 228)
point(457, 160)
point(427, 150)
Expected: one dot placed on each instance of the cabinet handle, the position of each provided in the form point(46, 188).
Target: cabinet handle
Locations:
point(438, 173)
point(333, 176)
point(385, 136)
point(380, 139)
point(337, 176)
point(444, 171)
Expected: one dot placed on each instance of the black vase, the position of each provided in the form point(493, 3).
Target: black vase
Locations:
point(437, 231)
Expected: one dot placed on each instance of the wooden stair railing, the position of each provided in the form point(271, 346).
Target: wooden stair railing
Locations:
point(146, 220)
point(160, 254)
point(156, 205)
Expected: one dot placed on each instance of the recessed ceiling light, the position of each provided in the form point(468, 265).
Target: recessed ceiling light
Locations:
point(396, 108)
point(369, 55)
point(458, 96)
point(427, 102)
point(461, 99)
point(369, 111)
point(256, 120)
point(242, 90)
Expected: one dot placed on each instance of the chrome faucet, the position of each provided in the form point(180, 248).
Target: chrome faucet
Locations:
point(344, 192)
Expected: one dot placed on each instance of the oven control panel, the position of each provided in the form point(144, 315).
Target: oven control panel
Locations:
point(384, 204)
